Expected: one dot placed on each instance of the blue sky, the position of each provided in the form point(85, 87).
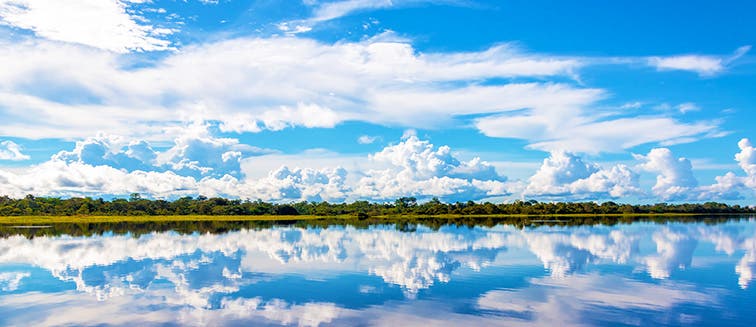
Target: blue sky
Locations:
point(354, 99)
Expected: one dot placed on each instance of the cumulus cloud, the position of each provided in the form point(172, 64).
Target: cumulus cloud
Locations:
point(675, 180)
point(9, 150)
point(284, 184)
point(564, 174)
point(104, 24)
point(416, 167)
point(199, 163)
point(703, 65)
point(746, 159)
point(195, 152)
point(61, 178)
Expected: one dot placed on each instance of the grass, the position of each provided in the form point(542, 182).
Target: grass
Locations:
point(32, 220)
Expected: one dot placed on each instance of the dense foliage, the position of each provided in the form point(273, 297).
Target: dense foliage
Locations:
point(136, 205)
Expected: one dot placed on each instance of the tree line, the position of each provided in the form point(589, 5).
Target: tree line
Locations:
point(135, 205)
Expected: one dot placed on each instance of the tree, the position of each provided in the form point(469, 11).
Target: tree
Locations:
point(135, 197)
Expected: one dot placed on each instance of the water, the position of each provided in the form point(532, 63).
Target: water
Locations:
point(649, 273)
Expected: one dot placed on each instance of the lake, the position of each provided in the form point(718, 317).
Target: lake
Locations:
point(308, 274)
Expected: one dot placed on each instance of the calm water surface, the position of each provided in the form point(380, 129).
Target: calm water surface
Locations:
point(644, 274)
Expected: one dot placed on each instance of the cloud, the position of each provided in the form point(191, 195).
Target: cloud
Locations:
point(60, 178)
point(688, 107)
point(323, 11)
point(254, 84)
point(331, 10)
point(195, 152)
point(570, 126)
point(284, 184)
point(104, 24)
point(198, 163)
point(731, 186)
point(367, 139)
point(9, 150)
point(11, 280)
point(305, 115)
point(746, 159)
point(675, 180)
point(566, 175)
point(415, 167)
point(703, 65)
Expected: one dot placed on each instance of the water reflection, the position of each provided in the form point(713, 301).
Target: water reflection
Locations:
point(631, 274)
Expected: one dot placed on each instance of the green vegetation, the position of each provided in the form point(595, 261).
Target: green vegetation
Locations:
point(41, 210)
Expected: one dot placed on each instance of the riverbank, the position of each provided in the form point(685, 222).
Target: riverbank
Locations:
point(34, 220)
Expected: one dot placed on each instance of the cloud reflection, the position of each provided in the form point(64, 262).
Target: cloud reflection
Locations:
point(210, 279)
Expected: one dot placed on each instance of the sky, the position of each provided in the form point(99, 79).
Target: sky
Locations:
point(637, 102)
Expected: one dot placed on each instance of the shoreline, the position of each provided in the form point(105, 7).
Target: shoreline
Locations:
point(30, 220)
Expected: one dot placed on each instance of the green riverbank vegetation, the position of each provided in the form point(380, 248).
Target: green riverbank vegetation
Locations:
point(204, 208)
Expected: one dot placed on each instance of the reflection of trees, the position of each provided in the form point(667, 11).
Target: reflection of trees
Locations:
point(403, 223)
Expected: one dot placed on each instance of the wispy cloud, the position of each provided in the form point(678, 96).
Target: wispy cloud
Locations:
point(367, 139)
point(701, 64)
point(323, 11)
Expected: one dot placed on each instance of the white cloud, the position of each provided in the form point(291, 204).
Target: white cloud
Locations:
point(11, 280)
point(366, 139)
point(566, 175)
point(746, 158)
point(572, 127)
point(675, 180)
point(323, 11)
point(60, 178)
point(248, 84)
point(305, 115)
point(731, 186)
point(336, 9)
point(198, 163)
point(415, 167)
point(9, 150)
point(688, 107)
point(194, 153)
point(703, 65)
point(104, 24)
point(254, 84)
